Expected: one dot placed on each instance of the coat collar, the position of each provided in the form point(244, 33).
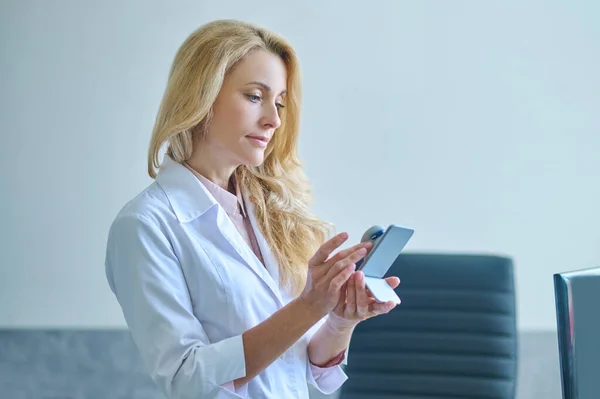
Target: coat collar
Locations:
point(187, 195)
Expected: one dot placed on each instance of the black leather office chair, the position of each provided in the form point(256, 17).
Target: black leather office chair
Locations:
point(453, 336)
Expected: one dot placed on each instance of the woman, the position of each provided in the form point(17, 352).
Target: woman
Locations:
point(222, 273)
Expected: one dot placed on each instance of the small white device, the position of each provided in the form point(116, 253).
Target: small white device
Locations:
point(387, 246)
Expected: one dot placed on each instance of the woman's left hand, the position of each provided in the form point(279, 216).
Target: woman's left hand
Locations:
point(357, 303)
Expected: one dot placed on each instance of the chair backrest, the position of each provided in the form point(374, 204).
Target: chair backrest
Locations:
point(453, 336)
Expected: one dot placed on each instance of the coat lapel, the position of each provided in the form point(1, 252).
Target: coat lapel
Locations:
point(191, 200)
point(247, 256)
point(271, 264)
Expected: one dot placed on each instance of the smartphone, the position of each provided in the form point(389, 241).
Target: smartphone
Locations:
point(381, 257)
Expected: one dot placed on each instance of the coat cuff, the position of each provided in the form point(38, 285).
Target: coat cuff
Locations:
point(327, 379)
point(231, 349)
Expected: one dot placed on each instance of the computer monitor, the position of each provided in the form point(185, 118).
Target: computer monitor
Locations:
point(577, 298)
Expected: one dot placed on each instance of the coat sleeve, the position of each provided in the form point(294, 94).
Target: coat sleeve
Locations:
point(326, 379)
point(145, 276)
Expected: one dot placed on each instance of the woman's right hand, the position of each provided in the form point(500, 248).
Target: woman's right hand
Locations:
point(327, 276)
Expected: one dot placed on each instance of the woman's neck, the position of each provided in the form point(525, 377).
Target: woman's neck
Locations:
point(220, 175)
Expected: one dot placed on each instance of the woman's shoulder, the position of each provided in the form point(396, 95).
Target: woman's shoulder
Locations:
point(150, 205)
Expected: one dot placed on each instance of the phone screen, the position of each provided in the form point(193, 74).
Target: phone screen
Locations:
point(384, 253)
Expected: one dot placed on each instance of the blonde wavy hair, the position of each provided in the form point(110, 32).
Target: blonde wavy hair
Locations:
point(278, 188)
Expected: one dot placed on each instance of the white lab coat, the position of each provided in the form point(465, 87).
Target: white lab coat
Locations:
point(189, 286)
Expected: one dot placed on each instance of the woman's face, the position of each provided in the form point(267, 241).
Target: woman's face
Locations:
point(246, 111)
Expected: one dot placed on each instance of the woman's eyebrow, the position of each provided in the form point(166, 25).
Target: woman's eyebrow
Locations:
point(264, 86)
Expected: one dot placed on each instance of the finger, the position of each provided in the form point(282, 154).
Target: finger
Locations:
point(351, 297)
point(345, 252)
point(362, 300)
point(393, 281)
point(350, 260)
point(324, 268)
point(381, 308)
point(339, 308)
point(326, 249)
point(321, 271)
point(341, 278)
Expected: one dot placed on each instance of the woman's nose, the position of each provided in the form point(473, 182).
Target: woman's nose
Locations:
point(271, 118)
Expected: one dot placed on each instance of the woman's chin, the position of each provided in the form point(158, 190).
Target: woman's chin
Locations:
point(255, 159)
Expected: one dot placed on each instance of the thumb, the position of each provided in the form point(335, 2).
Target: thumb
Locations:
point(393, 281)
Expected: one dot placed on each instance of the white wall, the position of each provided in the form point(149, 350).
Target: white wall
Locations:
point(477, 123)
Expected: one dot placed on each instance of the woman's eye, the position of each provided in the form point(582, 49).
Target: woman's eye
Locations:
point(280, 106)
point(253, 98)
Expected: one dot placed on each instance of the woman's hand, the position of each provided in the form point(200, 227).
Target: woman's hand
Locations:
point(357, 303)
point(327, 276)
